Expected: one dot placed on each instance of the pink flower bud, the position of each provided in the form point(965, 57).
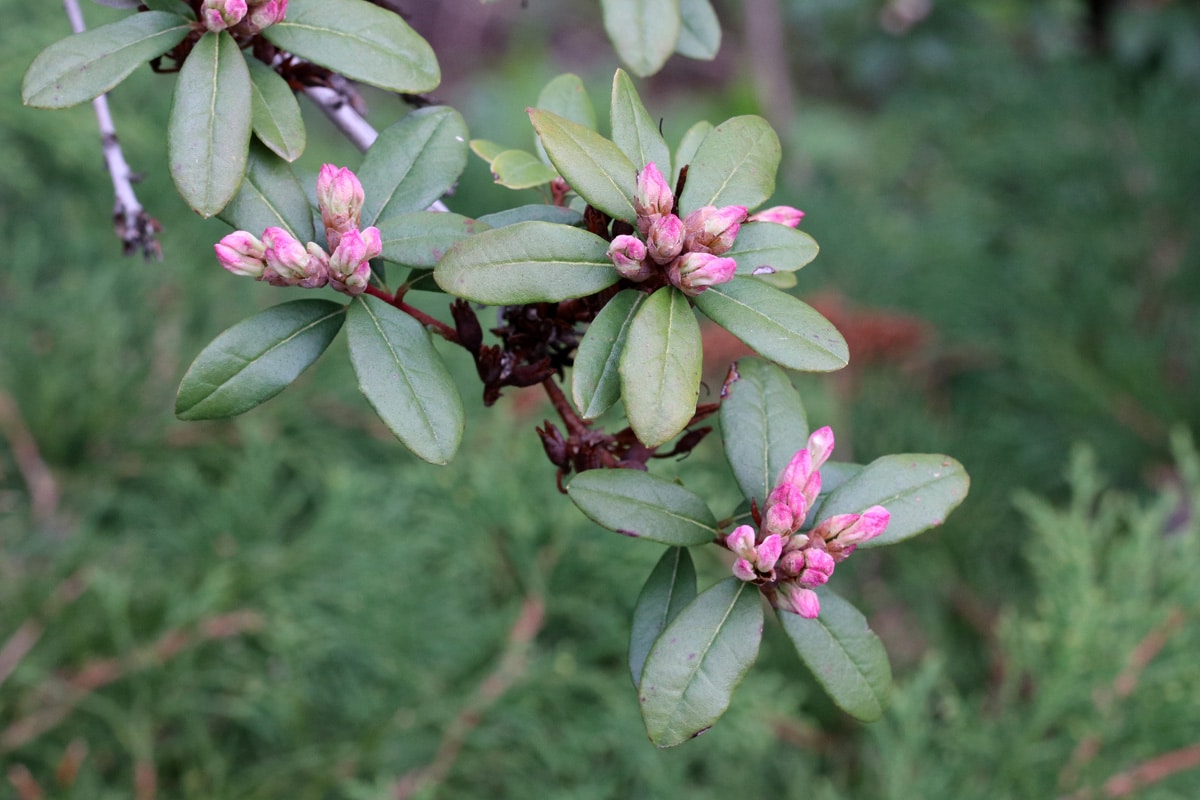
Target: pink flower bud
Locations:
point(787, 495)
point(653, 197)
point(695, 272)
point(820, 446)
point(628, 254)
point(781, 215)
point(744, 570)
point(791, 563)
point(285, 257)
point(818, 567)
point(665, 238)
point(340, 198)
point(317, 271)
point(869, 524)
point(242, 254)
point(797, 471)
point(263, 14)
point(812, 488)
point(350, 264)
point(768, 552)
point(711, 229)
point(779, 519)
point(800, 600)
point(221, 14)
point(741, 542)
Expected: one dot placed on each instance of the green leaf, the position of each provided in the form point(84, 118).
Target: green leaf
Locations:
point(670, 587)
point(775, 324)
point(404, 379)
point(256, 359)
point(660, 367)
point(643, 32)
point(769, 244)
point(208, 135)
point(643, 506)
point(689, 144)
point(634, 130)
point(734, 166)
point(698, 660)
point(845, 656)
point(763, 424)
point(518, 169)
point(593, 166)
point(88, 64)
point(780, 280)
point(536, 212)
point(566, 96)
point(918, 489)
point(595, 378)
point(487, 150)
point(421, 238)
point(359, 40)
point(701, 34)
point(178, 7)
point(270, 196)
point(275, 114)
point(413, 162)
point(529, 262)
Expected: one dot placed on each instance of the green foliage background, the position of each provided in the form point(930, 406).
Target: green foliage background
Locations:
point(1032, 203)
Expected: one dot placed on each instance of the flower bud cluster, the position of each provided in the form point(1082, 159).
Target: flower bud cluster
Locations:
point(688, 252)
point(789, 562)
point(248, 17)
point(281, 260)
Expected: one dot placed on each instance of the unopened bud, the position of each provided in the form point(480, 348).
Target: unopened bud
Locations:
point(741, 542)
point(870, 524)
point(711, 229)
point(818, 567)
point(316, 273)
point(285, 256)
point(781, 215)
point(628, 254)
point(800, 600)
point(743, 570)
point(664, 240)
point(769, 551)
point(350, 264)
point(695, 272)
point(340, 198)
point(653, 197)
point(242, 254)
point(779, 519)
point(820, 446)
point(221, 14)
point(263, 14)
point(786, 495)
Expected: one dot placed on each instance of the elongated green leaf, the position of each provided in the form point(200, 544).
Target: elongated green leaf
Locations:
point(208, 136)
point(174, 6)
point(701, 34)
point(88, 64)
point(595, 378)
point(845, 656)
point(537, 212)
point(404, 379)
point(643, 506)
point(643, 32)
point(518, 169)
point(270, 196)
point(256, 359)
point(780, 280)
point(734, 165)
point(670, 587)
point(698, 660)
point(594, 167)
point(359, 40)
point(918, 489)
point(275, 114)
point(634, 130)
point(660, 367)
point(413, 162)
point(486, 150)
point(566, 96)
point(769, 244)
point(776, 325)
point(529, 262)
point(763, 424)
point(421, 238)
point(688, 146)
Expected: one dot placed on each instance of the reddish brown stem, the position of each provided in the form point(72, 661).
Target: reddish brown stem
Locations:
point(438, 327)
point(572, 420)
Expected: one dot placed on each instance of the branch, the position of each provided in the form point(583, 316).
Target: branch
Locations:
point(133, 225)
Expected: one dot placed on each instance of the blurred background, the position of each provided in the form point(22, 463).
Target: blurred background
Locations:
point(1005, 194)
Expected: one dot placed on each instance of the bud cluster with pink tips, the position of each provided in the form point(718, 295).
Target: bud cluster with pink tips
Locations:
point(280, 259)
point(248, 17)
point(789, 563)
point(688, 252)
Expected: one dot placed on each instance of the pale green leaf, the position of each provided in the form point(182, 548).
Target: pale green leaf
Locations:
point(643, 506)
point(595, 377)
point(734, 165)
point(270, 196)
point(275, 113)
point(421, 238)
point(762, 245)
point(668, 590)
point(763, 424)
point(593, 166)
point(701, 34)
point(634, 130)
point(413, 162)
point(518, 169)
point(643, 32)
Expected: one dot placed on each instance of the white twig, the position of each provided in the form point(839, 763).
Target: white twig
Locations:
point(133, 225)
